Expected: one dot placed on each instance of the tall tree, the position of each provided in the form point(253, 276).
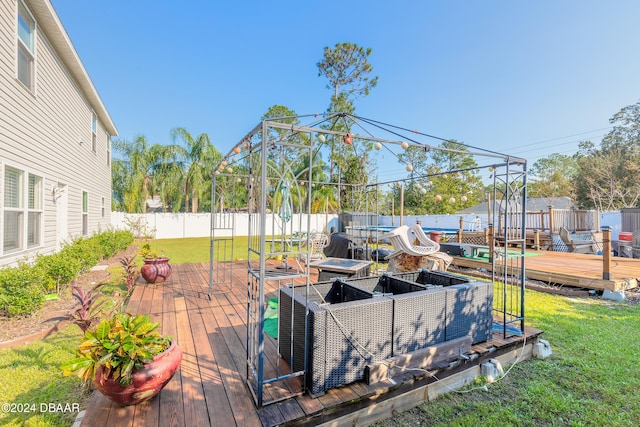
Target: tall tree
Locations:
point(135, 166)
point(347, 68)
point(447, 173)
point(201, 155)
point(143, 169)
point(608, 177)
point(348, 71)
point(553, 176)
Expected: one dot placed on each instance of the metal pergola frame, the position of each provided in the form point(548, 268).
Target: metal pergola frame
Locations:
point(269, 156)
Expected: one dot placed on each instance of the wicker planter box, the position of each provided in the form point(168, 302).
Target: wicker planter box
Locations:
point(354, 322)
point(436, 278)
point(340, 343)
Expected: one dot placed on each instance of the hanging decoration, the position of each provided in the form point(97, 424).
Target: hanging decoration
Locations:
point(348, 139)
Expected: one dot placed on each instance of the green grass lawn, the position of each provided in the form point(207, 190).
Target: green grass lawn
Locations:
point(182, 251)
point(30, 381)
point(592, 378)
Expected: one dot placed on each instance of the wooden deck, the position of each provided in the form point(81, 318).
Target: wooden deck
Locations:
point(209, 389)
point(571, 269)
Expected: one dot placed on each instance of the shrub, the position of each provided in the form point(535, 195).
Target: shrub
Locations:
point(21, 291)
point(59, 268)
point(22, 288)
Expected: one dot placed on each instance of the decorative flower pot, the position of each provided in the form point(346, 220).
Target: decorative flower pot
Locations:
point(146, 382)
point(156, 270)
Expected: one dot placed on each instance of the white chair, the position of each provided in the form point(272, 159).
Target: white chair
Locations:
point(399, 238)
point(423, 239)
point(317, 243)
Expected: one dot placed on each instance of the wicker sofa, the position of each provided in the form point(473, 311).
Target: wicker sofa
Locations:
point(354, 322)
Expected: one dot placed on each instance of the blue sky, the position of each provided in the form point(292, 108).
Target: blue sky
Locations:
point(527, 78)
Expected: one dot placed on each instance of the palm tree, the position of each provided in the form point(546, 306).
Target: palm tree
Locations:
point(144, 171)
point(202, 156)
point(135, 167)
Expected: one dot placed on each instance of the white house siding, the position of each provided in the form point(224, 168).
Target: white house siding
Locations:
point(42, 132)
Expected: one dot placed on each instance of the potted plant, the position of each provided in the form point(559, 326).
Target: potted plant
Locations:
point(126, 358)
point(156, 269)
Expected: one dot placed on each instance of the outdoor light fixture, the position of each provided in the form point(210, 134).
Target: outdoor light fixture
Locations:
point(404, 145)
point(321, 138)
point(377, 146)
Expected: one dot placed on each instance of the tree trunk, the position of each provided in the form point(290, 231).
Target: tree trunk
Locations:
point(194, 204)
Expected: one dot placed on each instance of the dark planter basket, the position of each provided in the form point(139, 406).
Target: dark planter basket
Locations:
point(156, 270)
point(147, 382)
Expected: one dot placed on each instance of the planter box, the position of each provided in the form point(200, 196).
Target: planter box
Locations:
point(355, 322)
point(433, 277)
point(340, 343)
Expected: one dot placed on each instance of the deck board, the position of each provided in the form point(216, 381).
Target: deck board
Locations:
point(571, 269)
point(210, 388)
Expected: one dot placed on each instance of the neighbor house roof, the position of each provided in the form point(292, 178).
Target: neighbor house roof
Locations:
point(49, 23)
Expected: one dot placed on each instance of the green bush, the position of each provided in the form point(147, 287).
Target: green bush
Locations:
point(22, 288)
point(60, 268)
point(21, 291)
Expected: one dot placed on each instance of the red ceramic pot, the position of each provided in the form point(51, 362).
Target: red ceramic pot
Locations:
point(147, 382)
point(156, 270)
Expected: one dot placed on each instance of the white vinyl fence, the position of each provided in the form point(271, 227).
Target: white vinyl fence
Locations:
point(181, 225)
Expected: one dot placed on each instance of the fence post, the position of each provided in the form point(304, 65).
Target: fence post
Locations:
point(606, 253)
point(551, 224)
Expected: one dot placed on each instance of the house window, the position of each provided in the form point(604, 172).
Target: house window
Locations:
point(85, 213)
point(26, 46)
point(34, 211)
point(94, 131)
point(22, 211)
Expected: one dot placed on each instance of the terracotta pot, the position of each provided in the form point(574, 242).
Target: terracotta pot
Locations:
point(147, 382)
point(156, 270)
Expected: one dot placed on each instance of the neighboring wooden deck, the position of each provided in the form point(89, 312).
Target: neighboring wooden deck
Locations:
point(580, 270)
point(210, 389)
